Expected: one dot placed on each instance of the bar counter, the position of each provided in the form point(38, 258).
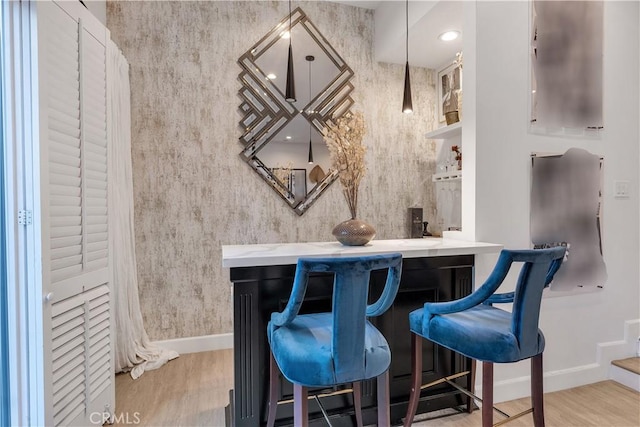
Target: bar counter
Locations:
point(288, 253)
point(434, 269)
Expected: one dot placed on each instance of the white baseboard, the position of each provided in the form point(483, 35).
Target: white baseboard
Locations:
point(198, 344)
point(516, 388)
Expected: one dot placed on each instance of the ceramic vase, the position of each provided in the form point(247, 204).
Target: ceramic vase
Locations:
point(354, 232)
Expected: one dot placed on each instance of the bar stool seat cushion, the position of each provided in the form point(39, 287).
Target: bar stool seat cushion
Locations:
point(302, 350)
point(483, 333)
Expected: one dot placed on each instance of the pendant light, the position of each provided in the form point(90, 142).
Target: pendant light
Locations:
point(407, 105)
point(290, 90)
point(310, 58)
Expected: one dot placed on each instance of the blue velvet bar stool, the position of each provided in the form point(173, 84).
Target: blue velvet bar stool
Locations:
point(473, 327)
point(330, 349)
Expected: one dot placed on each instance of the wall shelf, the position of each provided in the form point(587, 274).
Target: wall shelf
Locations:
point(446, 131)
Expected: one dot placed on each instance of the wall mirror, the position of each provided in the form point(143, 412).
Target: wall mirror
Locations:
point(282, 140)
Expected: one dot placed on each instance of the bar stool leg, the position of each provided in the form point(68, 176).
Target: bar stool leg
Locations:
point(416, 378)
point(537, 393)
point(274, 390)
point(357, 402)
point(300, 406)
point(384, 416)
point(487, 394)
point(471, 385)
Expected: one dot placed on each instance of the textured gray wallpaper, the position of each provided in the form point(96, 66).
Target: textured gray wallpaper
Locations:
point(192, 191)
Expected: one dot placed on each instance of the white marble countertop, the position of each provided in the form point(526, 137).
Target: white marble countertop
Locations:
point(288, 253)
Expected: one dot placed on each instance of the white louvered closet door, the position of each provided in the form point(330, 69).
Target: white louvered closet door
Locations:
point(78, 355)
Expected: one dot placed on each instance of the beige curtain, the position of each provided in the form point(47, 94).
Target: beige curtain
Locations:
point(133, 350)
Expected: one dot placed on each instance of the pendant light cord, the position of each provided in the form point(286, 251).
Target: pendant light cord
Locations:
point(309, 101)
point(310, 58)
point(290, 23)
point(407, 39)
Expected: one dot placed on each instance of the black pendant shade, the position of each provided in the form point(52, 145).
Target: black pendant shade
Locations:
point(407, 105)
point(310, 59)
point(310, 152)
point(290, 91)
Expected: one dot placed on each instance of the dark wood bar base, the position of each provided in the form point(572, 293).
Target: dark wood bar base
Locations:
point(259, 291)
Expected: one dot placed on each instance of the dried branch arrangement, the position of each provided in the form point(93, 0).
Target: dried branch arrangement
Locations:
point(344, 138)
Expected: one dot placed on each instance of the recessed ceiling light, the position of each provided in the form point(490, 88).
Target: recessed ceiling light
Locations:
point(271, 76)
point(447, 36)
point(288, 137)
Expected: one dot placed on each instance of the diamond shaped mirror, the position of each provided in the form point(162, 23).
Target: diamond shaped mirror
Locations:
point(282, 140)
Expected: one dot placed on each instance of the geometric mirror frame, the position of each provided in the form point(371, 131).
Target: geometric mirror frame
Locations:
point(280, 138)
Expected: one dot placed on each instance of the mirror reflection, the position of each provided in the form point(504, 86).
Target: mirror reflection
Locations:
point(283, 141)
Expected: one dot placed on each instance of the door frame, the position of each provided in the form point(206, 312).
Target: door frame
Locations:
point(21, 192)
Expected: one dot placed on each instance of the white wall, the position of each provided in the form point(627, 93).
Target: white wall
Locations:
point(497, 149)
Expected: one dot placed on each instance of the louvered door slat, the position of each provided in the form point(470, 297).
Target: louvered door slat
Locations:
point(74, 384)
point(68, 345)
point(63, 266)
point(64, 221)
point(75, 375)
point(61, 65)
point(73, 407)
point(65, 211)
point(66, 363)
point(68, 119)
point(66, 231)
point(63, 139)
point(97, 219)
point(57, 170)
point(66, 97)
point(67, 251)
point(73, 323)
point(56, 103)
point(64, 160)
point(95, 193)
point(64, 190)
point(66, 241)
point(66, 180)
point(96, 149)
point(65, 149)
point(99, 370)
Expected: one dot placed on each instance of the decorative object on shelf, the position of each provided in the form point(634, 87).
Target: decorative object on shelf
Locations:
point(425, 232)
point(354, 232)
point(290, 91)
point(344, 139)
point(415, 223)
point(458, 152)
point(449, 91)
point(407, 105)
point(458, 63)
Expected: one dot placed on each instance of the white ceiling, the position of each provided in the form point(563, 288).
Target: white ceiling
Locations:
point(427, 20)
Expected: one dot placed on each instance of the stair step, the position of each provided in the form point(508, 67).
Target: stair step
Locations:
point(626, 372)
point(631, 364)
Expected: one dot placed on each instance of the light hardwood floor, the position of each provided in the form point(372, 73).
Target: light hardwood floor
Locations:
point(193, 390)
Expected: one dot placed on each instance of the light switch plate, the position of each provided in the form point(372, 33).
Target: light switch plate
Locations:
point(621, 189)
